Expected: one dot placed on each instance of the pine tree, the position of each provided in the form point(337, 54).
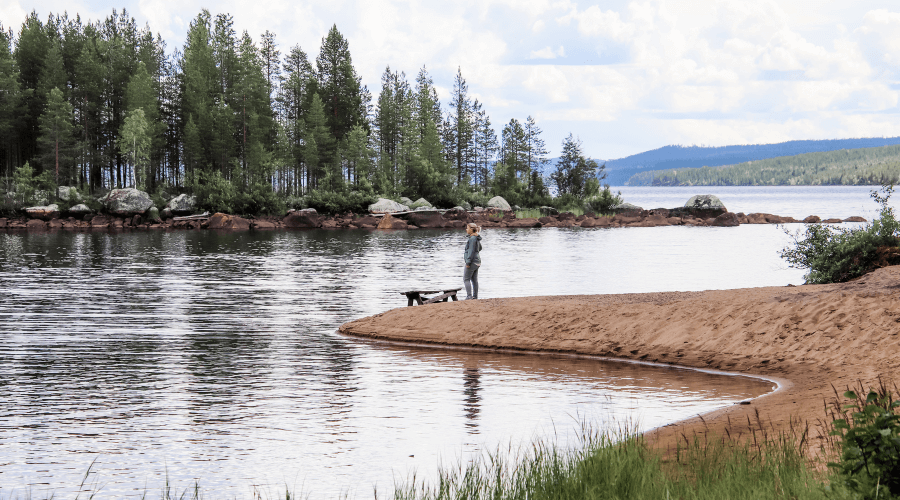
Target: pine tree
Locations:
point(56, 141)
point(11, 105)
point(575, 174)
point(340, 88)
point(461, 124)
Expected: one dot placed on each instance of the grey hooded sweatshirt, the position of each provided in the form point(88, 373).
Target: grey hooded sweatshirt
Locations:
point(473, 247)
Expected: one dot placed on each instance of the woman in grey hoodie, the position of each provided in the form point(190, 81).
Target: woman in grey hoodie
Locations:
point(472, 258)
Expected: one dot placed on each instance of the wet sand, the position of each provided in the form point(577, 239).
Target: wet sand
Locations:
point(810, 339)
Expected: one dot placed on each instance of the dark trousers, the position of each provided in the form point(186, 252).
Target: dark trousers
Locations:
point(470, 279)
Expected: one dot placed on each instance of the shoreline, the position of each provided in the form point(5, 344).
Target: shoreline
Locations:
point(427, 219)
point(780, 383)
point(811, 339)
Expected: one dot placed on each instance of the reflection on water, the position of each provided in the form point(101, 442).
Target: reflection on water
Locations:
point(212, 356)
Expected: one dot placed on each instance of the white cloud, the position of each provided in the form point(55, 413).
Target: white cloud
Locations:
point(548, 53)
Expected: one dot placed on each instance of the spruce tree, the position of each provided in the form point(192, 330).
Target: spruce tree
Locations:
point(11, 105)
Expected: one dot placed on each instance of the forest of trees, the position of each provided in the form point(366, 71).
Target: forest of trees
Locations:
point(249, 128)
point(864, 166)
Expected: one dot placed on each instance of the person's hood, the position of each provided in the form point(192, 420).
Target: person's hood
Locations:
point(478, 237)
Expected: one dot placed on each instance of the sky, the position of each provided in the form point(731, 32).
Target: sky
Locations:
point(622, 76)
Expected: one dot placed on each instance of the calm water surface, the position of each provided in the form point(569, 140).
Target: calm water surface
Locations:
point(212, 356)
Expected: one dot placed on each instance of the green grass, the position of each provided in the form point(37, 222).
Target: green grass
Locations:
point(606, 468)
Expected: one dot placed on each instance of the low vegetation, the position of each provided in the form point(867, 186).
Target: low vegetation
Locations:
point(834, 255)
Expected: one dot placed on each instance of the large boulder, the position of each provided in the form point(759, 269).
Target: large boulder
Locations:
point(627, 209)
point(705, 206)
point(182, 205)
point(420, 204)
point(405, 201)
point(67, 193)
point(728, 219)
point(385, 206)
point(426, 220)
point(127, 202)
point(79, 211)
point(225, 221)
point(43, 213)
point(519, 223)
point(306, 218)
point(388, 222)
point(37, 224)
point(499, 203)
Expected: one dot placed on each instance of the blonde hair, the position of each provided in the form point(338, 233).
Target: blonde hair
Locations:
point(473, 227)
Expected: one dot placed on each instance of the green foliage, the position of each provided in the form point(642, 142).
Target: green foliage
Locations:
point(602, 202)
point(869, 440)
point(837, 255)
point(214, 192)
point(576, 174)
point(864, 166)
point(330, 202)
point(629, 469)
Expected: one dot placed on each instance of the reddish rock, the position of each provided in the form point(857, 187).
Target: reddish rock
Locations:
point(3, 221)
point(832, 221)
point(624, 219)
point(116, 224)
point(519, 223)
point(365, 221)
point(55, 224)
point(756, 218)
point(674, 221)
point(546, 220)
point(426, 220)
point(307, 218)
point(456, 224)
point(855, 218)
point(728, 219)
point(100, 221)
point(389, 222)
point(44, 213)
point(262, 224)
point(330, 224)
point(812, 219)
point(225, 221)
point(36, 224)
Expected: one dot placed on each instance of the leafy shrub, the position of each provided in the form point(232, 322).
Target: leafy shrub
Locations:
point(603, 201)
point(836, 255)
point(869, 439)
point(259, 199)
point(214, 192)
point(331, 203)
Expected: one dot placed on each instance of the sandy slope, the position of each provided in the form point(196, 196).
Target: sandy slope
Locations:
point(809, 337)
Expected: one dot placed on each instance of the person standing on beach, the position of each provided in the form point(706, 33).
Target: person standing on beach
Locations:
point(472, 258)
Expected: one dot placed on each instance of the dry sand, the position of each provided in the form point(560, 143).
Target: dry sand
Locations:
point(809, 338)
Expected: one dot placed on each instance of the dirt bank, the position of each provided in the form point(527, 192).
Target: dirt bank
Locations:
point(810, 338)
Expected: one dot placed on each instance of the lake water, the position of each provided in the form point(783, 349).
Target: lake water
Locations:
point(213, 357)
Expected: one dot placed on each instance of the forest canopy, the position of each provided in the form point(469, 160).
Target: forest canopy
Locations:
point(249, 126)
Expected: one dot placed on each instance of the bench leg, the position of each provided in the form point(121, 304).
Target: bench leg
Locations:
point(454, 297)
point(419, 300)
point(409, 301)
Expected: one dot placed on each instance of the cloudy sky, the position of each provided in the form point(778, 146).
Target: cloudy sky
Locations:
point(624, 76)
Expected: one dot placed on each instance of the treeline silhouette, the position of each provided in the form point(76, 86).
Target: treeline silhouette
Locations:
point(247, 128)
point(864, 166)
point(679, 157)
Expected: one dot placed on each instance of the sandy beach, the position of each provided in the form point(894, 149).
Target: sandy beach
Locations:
point(810, 338)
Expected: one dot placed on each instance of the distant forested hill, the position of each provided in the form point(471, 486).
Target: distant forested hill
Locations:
point(678, 157)
point(865, 166)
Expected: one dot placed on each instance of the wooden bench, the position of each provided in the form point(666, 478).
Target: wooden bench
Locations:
point(417, 296)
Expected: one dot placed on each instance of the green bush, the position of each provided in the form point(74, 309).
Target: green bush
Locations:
point(602, 202)
point(331, 203)
point(869, 439)
point(837, 255)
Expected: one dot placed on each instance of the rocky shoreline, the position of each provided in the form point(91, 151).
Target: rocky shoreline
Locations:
point(427, 219)
point(126, 209)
